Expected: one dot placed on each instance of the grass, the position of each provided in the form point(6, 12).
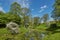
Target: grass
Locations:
point(21, 36)
point(55, 36)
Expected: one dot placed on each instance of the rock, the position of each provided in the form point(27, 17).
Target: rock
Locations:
point(13, 27)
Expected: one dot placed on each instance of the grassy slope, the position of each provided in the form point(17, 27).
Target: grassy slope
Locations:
point(5, 34)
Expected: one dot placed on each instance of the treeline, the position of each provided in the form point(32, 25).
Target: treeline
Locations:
point(22, 16)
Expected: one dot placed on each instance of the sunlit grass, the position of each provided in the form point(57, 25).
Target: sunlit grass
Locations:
point(4, 34)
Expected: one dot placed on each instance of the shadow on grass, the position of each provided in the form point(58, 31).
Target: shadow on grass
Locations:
point(53, 28)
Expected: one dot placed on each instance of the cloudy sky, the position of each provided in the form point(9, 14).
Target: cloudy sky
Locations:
point(37, 7)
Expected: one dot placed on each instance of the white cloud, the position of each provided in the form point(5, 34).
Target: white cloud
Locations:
point(32, 9)
point(42, 8)
point(1, 9)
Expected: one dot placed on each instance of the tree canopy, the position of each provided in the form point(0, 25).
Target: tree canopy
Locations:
point(56, 11)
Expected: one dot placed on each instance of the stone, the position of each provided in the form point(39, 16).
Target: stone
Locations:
point(13, 27)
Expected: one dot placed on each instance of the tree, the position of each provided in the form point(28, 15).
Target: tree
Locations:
point(7, 17)
point(2, 17)
point(15, 13)
point(2, 13)
point(36, 21)
point(15, 8)
point(13, 17)
point(45, 17)
point(56, 11)
point(25, 11)
point(25, 17)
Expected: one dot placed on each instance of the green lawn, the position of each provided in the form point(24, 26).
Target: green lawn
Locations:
point(5, 34)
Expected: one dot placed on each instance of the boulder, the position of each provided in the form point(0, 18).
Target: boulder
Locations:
point(13, 27)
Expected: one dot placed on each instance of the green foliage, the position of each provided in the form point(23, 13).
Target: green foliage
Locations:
point(9, 17)
point(56, 11)
point(27, 34)
point(25, 11)
point(16, 14)
point(55, 36)
point(45, 17)
point(36, 21)
point(25, 16)
point(13, 17)
point(2, 17)
point(15, 8)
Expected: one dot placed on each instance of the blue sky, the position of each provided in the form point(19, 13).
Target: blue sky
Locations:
point(37, 7)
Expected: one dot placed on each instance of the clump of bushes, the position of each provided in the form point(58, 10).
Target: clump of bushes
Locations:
point(52, 27)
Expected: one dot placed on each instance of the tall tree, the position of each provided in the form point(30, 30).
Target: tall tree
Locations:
point(25, 13)
point(36, 21)
point(15, 8)
point(45, 17)
point(14, 13)
point(56, 11)
point(22, 12)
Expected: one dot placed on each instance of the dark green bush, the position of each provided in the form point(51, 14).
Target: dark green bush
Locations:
point(52, 27)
